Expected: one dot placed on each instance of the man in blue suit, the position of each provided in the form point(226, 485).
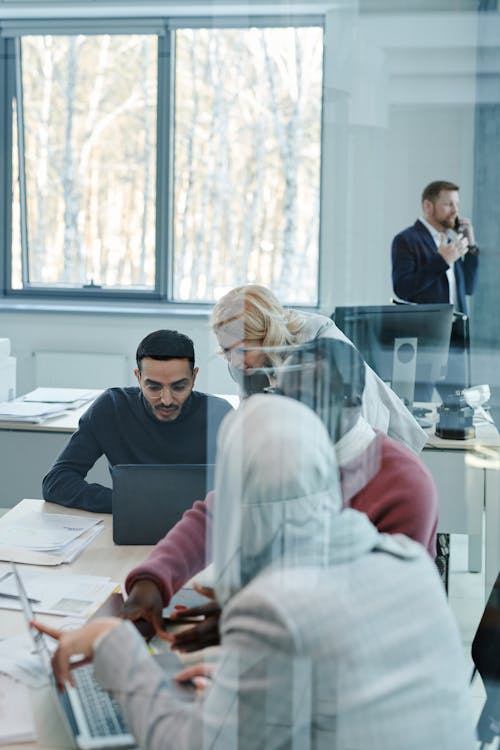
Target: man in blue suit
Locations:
point(436, 260)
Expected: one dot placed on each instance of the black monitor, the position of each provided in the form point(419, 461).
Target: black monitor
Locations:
point(406, 345)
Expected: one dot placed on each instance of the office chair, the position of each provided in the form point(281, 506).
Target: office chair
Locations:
point(485, 653)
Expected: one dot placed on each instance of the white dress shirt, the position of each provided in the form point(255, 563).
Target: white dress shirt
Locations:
point(450, 273)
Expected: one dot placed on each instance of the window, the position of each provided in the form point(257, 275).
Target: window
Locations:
point(85, 141)
point(171, 165)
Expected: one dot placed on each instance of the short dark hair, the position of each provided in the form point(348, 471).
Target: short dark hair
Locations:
point(432, 190)
point(164, 344)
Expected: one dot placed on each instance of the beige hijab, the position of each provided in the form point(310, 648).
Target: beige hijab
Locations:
point(278, 495)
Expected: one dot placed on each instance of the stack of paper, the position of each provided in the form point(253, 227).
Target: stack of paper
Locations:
point(33, 413)
point(66, 594)
point(46, 538)
point(68, 396)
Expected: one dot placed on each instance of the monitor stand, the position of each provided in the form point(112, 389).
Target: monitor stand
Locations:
point(404, 363)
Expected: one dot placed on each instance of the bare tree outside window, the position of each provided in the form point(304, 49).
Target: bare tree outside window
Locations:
point(245, 118)
point(89, 116)
point(247, 161)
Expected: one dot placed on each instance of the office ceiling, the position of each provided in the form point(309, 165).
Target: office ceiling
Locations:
point(33, 8)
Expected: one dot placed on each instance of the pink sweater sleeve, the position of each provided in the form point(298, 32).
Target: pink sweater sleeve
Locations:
point(180, 554)
point(402, 497)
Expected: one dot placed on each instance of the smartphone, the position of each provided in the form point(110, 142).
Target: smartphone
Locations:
point(457, 224)
point(185, 597)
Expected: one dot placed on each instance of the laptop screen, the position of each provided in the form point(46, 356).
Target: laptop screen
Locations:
point(149, 499)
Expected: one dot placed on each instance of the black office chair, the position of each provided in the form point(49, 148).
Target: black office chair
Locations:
point(486, 657)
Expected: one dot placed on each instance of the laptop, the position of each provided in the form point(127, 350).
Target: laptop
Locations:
point(148, 499)
point(89, 713)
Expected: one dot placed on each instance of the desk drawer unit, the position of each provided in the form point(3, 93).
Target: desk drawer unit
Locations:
point(461, 490)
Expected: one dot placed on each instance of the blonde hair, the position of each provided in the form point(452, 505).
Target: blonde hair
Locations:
point(264, 319)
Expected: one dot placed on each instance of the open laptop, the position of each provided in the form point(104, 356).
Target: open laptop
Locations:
point(148, 499)
point(90, 714)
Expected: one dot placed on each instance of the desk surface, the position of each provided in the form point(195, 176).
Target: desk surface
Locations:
point(101, 557)
point(486, 435)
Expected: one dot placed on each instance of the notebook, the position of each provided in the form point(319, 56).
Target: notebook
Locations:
point(148, 499)
point(90, 714)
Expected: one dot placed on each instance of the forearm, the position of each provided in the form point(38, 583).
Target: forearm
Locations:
point(65, 482)
point(67, 487)
point(179, 555)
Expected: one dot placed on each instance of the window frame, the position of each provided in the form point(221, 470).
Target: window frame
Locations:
point(11, 32)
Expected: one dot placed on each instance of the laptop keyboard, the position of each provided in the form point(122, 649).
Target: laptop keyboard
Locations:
point(102, 712)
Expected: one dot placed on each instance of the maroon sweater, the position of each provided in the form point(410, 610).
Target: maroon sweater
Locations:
point(388, 482)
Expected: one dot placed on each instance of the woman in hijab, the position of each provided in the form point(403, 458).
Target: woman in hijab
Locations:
point(249, 319)
point(333, 636)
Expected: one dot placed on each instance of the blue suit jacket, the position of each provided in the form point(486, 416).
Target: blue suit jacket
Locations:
point(419, 272)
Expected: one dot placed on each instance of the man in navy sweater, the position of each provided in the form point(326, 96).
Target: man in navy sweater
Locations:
point(163, 421)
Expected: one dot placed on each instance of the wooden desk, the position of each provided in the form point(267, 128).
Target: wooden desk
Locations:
point(101, 557)
point(465, 491)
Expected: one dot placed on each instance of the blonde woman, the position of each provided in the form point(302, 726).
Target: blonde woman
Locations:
point(249, 318)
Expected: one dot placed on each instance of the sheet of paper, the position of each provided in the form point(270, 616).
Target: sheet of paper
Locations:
point(61, 395)
point(17, 723)
point(29, 412)
point(34, 557)
point(48, 532)
point(65, 594)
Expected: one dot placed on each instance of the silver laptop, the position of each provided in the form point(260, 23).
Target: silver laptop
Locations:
point(148, 499)
point(89, 712)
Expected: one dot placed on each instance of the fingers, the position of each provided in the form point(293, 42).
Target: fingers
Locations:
point(61, 667)
point(202, 669)
point(199, 636)
point(461, 245)
point(184, 613)
point(131, 611)
point(52, 632)
point(198, 674)
point(204, 590)
point(144, 602)
point(157, 621)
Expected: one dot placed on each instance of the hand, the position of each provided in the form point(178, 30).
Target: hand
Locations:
point(75, 642)
point(467, 230)
point(145, 602)
point(204, 633)
point(199, 674)
point(452, 251)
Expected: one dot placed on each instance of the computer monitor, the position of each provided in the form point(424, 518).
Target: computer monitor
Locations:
point(406, 345)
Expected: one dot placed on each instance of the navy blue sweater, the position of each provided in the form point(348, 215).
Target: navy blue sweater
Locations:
point(119, 425)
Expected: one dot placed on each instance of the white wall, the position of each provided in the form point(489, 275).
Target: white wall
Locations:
point(110, 334)
point(401, 98)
